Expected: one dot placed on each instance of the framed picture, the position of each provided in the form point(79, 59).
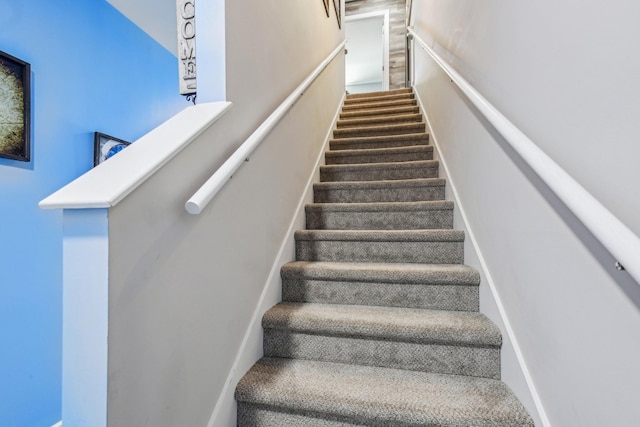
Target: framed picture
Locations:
point(15, 110)
point(326, 6)
point(105, 147)
point(338, 8)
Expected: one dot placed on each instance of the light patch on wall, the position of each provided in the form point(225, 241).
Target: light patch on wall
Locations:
point(157, 18)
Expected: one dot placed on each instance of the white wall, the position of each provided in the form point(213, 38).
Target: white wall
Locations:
point(184, 289)
point(157, 18)
point(561, 72)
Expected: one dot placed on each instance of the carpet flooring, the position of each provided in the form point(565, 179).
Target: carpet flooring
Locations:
point(379, 323)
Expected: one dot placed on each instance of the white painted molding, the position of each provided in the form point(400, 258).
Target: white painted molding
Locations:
point(58, 424)
point(619, 240)
point(487, 274)
point(214, 184)
point(110, 182)
point(256, 319)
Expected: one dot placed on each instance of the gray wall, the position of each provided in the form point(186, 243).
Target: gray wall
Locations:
point(186, 290)
point(397, 34)
point(565, 77)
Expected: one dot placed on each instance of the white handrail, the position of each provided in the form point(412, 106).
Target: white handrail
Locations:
point(210, 188)
point(619, 240)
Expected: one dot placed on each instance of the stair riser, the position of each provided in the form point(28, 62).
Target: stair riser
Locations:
point(377, 121)
point(355, 114)
point(363, 220)
point(379, 251)
point(433, 297)
point(251, 415)
point(353, 159)
point(376, 105)
point(379, 131)
point(357, 145)
point(416, 194)
point(424, 357)
point(381, 174)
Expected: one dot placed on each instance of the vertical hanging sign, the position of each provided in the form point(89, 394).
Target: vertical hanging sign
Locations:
point(186, 11)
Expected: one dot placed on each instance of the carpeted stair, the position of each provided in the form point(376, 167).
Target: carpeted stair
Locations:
point(379, 324)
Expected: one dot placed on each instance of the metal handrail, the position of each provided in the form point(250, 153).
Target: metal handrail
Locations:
point(616, 237)
point(220, 177)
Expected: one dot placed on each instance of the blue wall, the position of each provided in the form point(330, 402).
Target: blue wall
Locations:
point(92, 70)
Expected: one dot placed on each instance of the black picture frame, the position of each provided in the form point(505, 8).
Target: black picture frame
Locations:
point(326, 6)
point(15, 108)
point(103, 152)
point(337, 6)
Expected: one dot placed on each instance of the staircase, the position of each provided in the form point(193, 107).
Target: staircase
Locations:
point(379, 324)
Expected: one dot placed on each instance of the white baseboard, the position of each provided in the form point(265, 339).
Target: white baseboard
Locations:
point(487, 275)
point(58, 424)
point(253, 333)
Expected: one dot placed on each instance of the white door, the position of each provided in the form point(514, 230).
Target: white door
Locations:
point(367, 60)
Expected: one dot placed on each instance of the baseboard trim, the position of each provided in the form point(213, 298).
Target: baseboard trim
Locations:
point(256, 318)
point(58, 424)
point(487, 274)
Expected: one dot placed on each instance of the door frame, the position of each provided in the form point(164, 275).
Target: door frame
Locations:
point(385, 39)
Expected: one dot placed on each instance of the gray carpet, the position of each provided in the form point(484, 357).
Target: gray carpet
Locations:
point(379, 324)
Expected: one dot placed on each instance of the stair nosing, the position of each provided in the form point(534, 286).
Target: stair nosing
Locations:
point(374, 112)
point(397, 324)
point(382, 138)
point(387, 127)
point(426, 205)
point(402, 118)
point(398, 183)
point(374, 272)
point(379, 151)
point(418, 235)
point(409, 164)
point(379, 104)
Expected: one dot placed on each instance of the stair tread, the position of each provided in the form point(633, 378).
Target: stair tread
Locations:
point(433, 286)
point(367, 121)
point(381, 206)
point(391, 127)
point(398, 183)
point(443, 274)
point(380, 396)
point(381, 235)
point(385, 323)
point(379, 151)
point(382, 138)
point(411, 164)
point(389, 111)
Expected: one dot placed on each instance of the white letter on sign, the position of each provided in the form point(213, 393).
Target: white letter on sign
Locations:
point(186, 14)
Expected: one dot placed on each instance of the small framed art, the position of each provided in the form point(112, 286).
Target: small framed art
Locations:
point(106, 146)
point(15, 110)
